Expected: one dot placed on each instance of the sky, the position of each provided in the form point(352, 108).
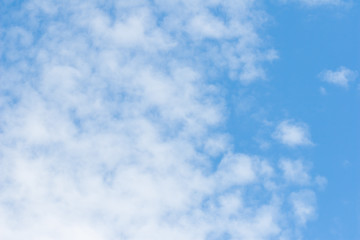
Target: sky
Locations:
point(182, 120)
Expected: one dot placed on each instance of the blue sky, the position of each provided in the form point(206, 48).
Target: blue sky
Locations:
point(180, 120)
point(312, 40)
point(309, 40)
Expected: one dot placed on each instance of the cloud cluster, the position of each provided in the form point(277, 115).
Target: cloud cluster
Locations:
point(110, 124)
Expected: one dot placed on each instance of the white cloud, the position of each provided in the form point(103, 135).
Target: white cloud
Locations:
point(304, 205)
point(295, 171)
point(236, 170)
point(341, 77)
point(321, 2)
point(217, 145)
point(109, 127)
point(292, 133)
point(316, 3)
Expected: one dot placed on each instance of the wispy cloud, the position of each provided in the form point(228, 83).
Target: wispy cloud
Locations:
point(340, 77)
point(292, 133)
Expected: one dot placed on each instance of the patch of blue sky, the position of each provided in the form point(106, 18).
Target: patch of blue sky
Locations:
point(309, 41)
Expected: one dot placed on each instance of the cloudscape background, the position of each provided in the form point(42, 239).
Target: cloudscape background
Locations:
point(180, 119)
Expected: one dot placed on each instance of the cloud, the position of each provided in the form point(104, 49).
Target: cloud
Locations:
point(292, 133)
point(236, 170)
point(321, 2)
point(316, 3)
point(322, 91)
point(340, 77)
point(304, 205)
point(321, 182)
point(110, 124)
point(294, 171)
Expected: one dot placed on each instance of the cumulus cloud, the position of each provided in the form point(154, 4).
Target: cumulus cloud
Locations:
point(292, 133)
point(340, 77)
point(303, 204)
point(110, 125)
point(295, 171)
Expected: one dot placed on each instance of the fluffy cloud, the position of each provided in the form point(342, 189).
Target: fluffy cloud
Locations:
point(295, 171)
point(292, 133)
point(303, 204)
point(110, 126)
point(340, 77)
